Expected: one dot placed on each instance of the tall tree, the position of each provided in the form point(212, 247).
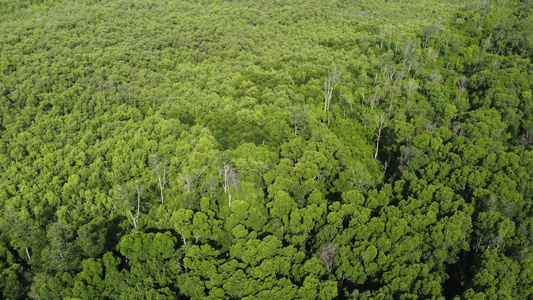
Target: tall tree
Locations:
point(330, 81)
point(229, 180)
point(129, 197)
point(160, 167)
point(379, 122)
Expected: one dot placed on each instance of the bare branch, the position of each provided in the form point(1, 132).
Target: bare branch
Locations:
point(379, 123)
point(326, 255)
point(330, 81)
point(160, 167)
point(229, 179)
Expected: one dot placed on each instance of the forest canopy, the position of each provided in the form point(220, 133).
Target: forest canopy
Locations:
point(157, 149)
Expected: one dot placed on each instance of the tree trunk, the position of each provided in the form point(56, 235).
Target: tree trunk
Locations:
point(134, 219)
point(161, 188)
point(377, 145)
point(28, 253)
point(330, 81)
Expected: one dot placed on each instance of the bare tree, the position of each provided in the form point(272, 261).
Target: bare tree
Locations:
point(326, 255)
point(382, 33)
point(407, 154)
point(526, 138)
point(379, 123)
point(229, 179)
point(211, 185)
point(192, 182)
point(435, 77)
point(124, 196)
point(299, 117)
point(429, 32)
point(408, 48)
point(375, 97)
point(18, 227)
point(330, 81)
point(390, 36)
point(411, 88)
point(462, 84)
point(188, 182)
point(160, 167)
point(138, 190)
point(61, 251)
point(398, 38)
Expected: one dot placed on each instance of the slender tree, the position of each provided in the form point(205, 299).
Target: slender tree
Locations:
point(326, 255)
point(229, 179)
point(160, 167)
point(379, 123)
point(330, 81)
point(19, 227)
point(125, 197)
point(299, 117)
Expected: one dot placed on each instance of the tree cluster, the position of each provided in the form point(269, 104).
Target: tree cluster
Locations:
point(237, 149)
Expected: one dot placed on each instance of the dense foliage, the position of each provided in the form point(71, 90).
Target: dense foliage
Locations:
point(266, 149)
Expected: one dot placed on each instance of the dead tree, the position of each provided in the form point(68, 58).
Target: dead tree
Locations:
point(326, 255)
point(375, 98)
point(382, 32)
point(526, 138)
point(188, 183)
point(429, 32)
point(19, 228)
point(211, 185)
point(390, 36)
point(411, 88)
point(125, 199)
point(299, 117)
point(408, 49)
point(330, 81)
point(135, 219)
point(229, 179)
point(462, 84)
point(379, 123)
point(160, 167)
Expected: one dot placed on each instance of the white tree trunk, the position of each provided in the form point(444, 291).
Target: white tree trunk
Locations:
point(136, 218)
point(377, 145)
point(330, 81)
point(161, 184)
point(28, 253)
point(380, 122)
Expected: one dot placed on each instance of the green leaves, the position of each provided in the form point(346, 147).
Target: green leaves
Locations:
point(143, 247)
point(430, 199)
point(182, 223)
